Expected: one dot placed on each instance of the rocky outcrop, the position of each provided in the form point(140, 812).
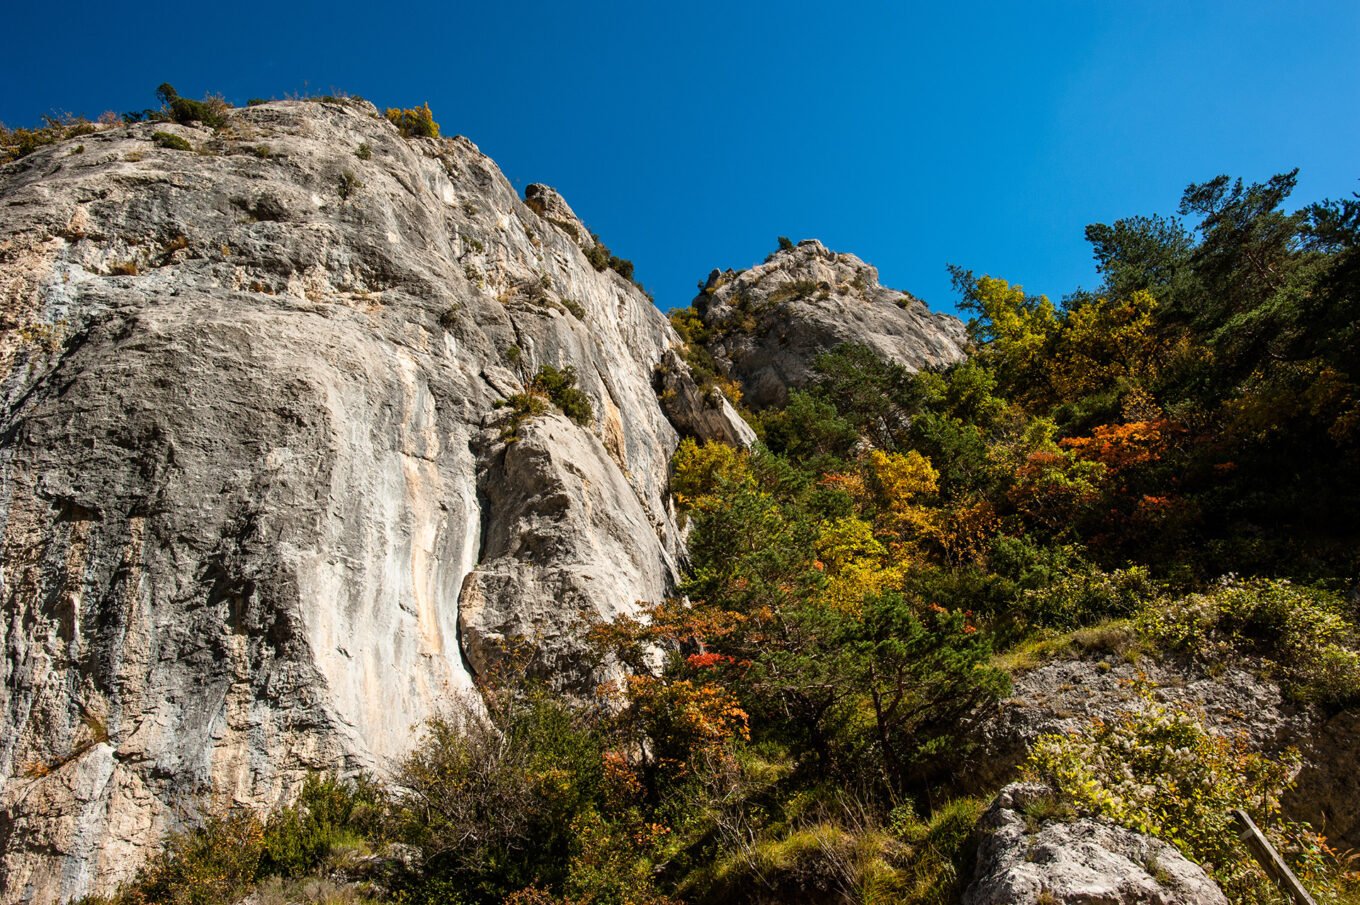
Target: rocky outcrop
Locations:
point(1025, 860)
point(260, 511)
point(1326, 793)
point(571, 541)
point(549, 204)
point(1064, 695)
point(767, 325)
point(698, 412)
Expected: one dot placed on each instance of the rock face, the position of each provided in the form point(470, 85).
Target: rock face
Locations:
point(696, 411)
point(549, 204)
point(260, 510)
point(1065, 695)
point(1326, 793)
point(571, 539)
point(1023, 861)
point(767, 325)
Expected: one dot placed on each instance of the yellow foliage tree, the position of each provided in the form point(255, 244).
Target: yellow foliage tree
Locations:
point(414, 122)
point(699, 471)
point(1103, 340)
point(856, 563)
point(1015, 329)
point(900, 481)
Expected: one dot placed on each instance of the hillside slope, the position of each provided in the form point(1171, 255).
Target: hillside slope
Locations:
point(308, 429)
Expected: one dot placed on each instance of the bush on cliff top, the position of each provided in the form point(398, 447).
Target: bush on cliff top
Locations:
point(1302, 633)
point(414, 122)
point(16, 143)
point(211, 111)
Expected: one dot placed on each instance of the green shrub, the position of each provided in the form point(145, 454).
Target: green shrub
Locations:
point(16, 143)
point(522, 406)
point(908, 678)
point(598, 254)
point(559, 386)
point(602, 259)
point(214, 864)
point(364, 151)
point(348, 185)
point(329, 815)
point(171, 141)
point(785, 243)
point(809, 428)
point(414, 122)
point(1305, 634)
point(577, 310)
point(211, 111)
point(549, 386)
point(1084, 597)
point(493, 798)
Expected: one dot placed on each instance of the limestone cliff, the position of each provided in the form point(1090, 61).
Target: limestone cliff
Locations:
point(766, 326)
point(261, 509)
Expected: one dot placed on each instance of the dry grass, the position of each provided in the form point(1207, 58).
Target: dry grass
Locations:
point(1117, 637)
point(308, 891)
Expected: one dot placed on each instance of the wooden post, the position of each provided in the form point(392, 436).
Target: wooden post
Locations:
point(1269, 859)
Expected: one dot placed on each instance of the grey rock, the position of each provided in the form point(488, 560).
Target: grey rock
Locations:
point(1087, 861)
point(768, 324)
point(696, 412)
point(1064, 695)
point(549, 204)
point(250, 465)
point(571, 544)
point(1326, 793)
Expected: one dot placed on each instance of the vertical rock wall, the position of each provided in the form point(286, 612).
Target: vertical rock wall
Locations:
point(251, 461)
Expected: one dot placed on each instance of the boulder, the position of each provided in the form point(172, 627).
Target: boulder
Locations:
point(1025, 860)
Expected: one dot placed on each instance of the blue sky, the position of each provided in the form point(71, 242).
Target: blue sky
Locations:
point(690, 135)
